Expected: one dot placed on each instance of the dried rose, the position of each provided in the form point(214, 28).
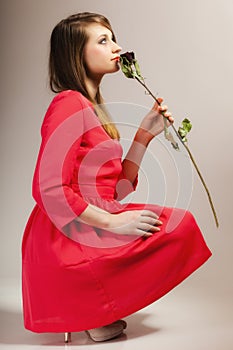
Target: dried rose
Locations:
point(129, 65)
point(130, 68)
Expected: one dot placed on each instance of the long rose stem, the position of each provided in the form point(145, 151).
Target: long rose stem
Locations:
point(190, 155)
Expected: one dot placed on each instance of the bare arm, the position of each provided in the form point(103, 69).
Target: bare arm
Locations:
point(135, 222)
point(151, 126)
point(131, 163)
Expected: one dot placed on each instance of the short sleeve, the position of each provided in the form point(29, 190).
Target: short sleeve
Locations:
point(61, 132)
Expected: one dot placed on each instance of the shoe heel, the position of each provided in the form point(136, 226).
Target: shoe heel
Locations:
point(67, 338)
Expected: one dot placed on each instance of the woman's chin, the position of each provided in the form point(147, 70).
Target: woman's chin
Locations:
point(116, 68)
point(112, 69)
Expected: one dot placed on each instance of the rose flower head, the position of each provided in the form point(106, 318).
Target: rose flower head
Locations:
point(129, 65)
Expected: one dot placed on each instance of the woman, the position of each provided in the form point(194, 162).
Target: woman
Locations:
point(88, 260)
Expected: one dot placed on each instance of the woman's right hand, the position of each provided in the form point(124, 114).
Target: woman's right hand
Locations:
point(131, 222)
point(135, 222)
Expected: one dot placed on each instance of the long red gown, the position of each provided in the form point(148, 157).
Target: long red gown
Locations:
point(76, 277)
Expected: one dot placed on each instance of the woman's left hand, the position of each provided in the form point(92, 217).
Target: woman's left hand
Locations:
point(153, 123)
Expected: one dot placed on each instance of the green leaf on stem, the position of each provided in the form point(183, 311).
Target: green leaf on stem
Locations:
point(184, 129)
point(137, 68)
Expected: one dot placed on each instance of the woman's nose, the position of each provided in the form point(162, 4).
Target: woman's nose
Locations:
point(116, 48)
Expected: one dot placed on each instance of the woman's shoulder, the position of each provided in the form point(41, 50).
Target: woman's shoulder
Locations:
point(63, 106)
point(71, 96)
point(67, 103)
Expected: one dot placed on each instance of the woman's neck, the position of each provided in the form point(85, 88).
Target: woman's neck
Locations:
point(92, 87)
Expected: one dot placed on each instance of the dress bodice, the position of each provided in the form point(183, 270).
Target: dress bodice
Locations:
point(98, 165)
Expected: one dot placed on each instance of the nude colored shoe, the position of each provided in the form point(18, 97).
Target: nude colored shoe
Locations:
point(107, 332)
point(103, 333)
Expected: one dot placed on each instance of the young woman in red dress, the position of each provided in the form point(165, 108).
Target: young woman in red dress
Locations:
point(88, 260)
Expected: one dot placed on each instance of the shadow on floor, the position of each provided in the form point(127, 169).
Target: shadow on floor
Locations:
point(12, 331)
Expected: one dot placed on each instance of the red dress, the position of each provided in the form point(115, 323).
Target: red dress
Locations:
point(77, 277)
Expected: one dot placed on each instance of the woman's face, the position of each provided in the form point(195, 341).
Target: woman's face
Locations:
point(101, 53)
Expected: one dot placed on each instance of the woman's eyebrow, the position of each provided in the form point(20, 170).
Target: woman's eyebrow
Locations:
point(102, 35)
point(106, 35)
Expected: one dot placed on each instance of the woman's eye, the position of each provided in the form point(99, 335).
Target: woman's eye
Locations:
point(103, 41)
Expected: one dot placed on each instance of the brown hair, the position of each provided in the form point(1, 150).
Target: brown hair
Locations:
point(67, 69)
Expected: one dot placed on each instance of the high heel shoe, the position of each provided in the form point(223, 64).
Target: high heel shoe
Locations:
point(67, 337)
point(103, 333)
point(107, 332)
point(124, 323)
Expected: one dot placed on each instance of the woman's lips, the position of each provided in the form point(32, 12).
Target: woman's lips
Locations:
point(116, 58)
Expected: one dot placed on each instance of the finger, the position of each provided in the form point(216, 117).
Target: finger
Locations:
point(151, 221)
point(168, 115)
point(147, 234)
point(148, 228)
point(171, 120)
point(162, 108)
point(149, 213)
point(144, 234)
point(160, 100)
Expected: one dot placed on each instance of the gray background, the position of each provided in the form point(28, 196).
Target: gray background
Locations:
point(185, 51)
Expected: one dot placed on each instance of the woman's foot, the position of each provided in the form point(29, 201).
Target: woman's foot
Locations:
point(107, 332)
